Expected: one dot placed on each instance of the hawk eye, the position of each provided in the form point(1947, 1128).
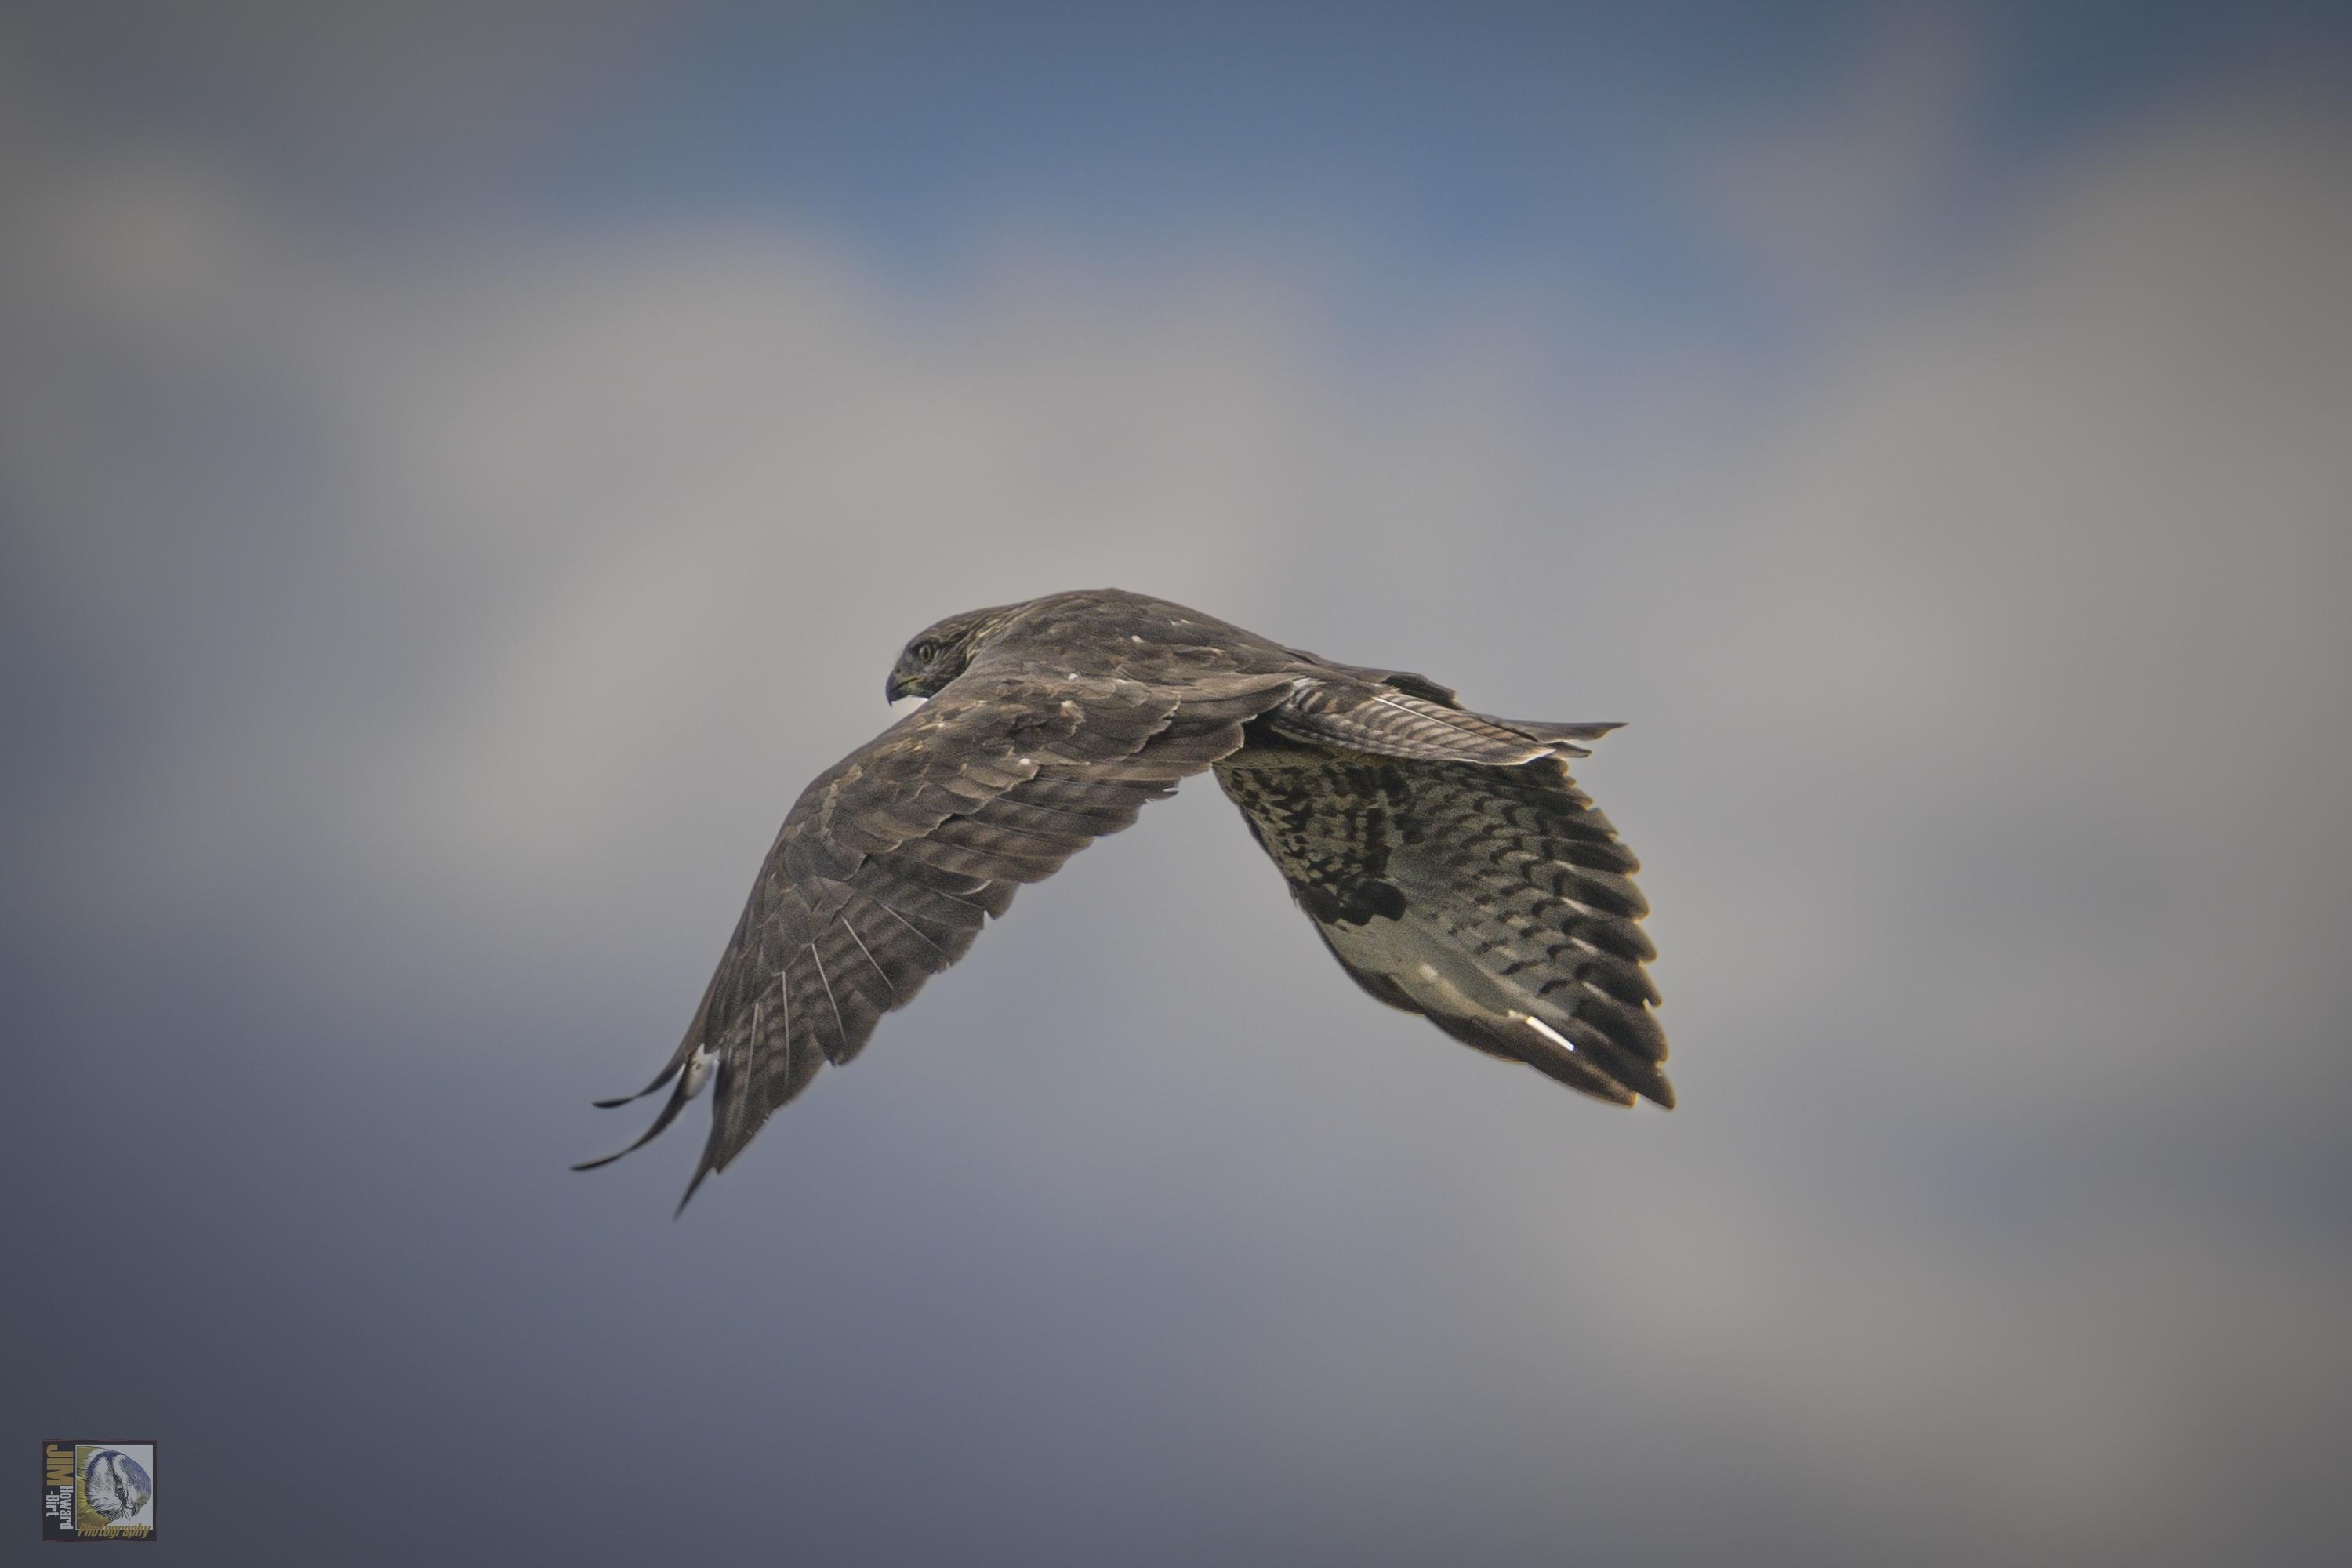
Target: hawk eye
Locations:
point(925, 650)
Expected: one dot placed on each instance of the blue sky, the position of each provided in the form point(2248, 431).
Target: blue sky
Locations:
point(1440, 149)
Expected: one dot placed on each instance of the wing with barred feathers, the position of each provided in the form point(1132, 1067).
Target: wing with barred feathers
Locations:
point(890, 862)
point(1453, 867)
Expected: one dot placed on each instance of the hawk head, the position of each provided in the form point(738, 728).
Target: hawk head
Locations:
point(939, 654)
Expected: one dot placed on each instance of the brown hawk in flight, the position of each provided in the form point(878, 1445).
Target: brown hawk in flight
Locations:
point(1446, 858)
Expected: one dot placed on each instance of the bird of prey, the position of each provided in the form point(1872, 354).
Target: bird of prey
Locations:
point(1446, 857)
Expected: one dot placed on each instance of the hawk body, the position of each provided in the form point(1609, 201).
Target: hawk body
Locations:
point(1446, 858)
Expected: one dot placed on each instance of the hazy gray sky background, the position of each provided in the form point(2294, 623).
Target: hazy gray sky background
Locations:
point(462, 471)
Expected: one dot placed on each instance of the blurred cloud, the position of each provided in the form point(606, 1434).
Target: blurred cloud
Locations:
point(426, 633)
point(1832, 190)
point(383, 103)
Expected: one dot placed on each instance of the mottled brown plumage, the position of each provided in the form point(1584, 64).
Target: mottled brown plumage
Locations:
point(1446, 858)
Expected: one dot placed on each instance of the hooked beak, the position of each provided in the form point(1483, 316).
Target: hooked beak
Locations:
point(894, 688)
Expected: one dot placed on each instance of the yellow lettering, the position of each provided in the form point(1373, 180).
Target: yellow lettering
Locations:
point(60, 1465)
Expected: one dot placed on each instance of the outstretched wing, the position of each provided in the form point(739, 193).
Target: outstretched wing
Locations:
point(1452, 867)
point(890, 862)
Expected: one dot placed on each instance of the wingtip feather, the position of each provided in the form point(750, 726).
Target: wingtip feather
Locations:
point(691, 1187)
point(678, 1098)
point(660, 1079)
